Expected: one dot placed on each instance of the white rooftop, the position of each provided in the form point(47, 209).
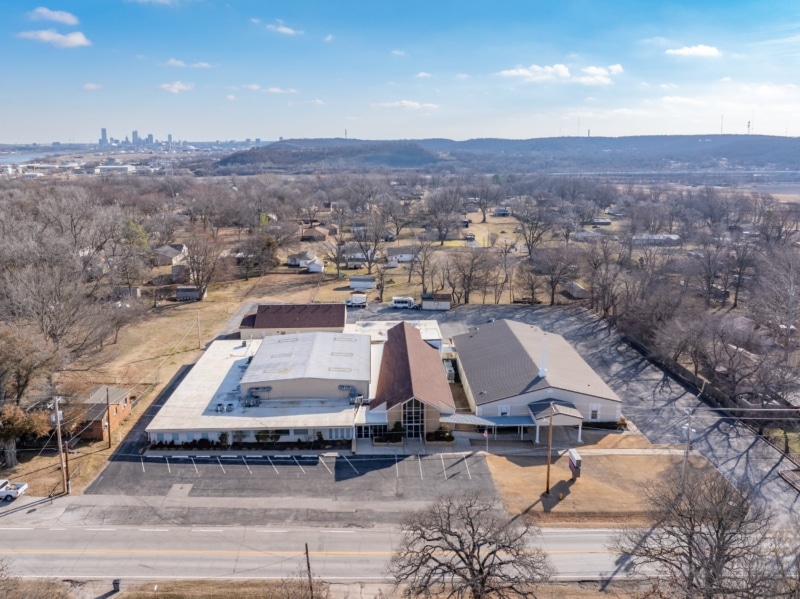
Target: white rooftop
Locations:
point(310, 356)
point(378, 329)
point(214, 379)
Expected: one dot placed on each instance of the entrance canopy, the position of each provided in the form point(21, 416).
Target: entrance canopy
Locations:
point(564, 413)
point(492, 421)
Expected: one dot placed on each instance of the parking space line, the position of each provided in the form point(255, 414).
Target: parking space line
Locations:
point(273, 465)
point(248, 467)
point(326, 466)
point(220, 465)
point(443, 467)
point(168, 468)
point(351, 464)
point(466, 463)
point(141, 458)
point(419, 460)
point(396, 466)
point(206, 530)
point(195, 466)
point(298, 464)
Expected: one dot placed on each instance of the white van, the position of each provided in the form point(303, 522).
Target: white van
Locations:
point(404, 302)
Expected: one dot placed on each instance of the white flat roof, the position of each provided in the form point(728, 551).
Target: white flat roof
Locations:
point(318, 355)
point(378, 329)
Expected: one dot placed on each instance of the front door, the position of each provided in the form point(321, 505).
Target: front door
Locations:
point(414, 418)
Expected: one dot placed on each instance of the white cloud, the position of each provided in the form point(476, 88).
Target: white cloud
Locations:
point(174, 62)
point(591, 75)
point(423, 75)
point(462, 76)
point(230, 97)
point(252, 86)
point(59, 16)
point(701, 50)
point(280, 90)
point(668, 86)
point(91, 86)
point(537, 73)
point(255, 21)
point(177, 87)
point(407, 105)
point(50, 36)
point(328, 38)
point(279, 27)
point(398, 53)
point(318, 102)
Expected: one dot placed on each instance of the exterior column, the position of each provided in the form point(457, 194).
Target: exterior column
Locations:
point(580, 428)
point(537, 432)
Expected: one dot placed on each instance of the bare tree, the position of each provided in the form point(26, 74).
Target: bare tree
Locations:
point(705, 540)
point(458, 547)
point(535, 224)
point(441, 208)
point(556, 265)
point(467, 271)
point(202, 256)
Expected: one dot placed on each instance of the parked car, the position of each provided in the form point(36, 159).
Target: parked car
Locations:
point(9, 490)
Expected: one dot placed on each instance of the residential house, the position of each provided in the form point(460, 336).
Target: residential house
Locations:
point(362, 282)
point(402, 253)
point(301, 259)
point(103, 411)
point(314, 234)
point(168, 255)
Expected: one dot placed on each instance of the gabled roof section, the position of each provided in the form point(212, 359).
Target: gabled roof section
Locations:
point(296, 317)
point(412, 368)
point(502, 359)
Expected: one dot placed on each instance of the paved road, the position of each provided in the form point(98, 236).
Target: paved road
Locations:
point(167, 552)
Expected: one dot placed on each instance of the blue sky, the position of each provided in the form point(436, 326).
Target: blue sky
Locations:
point(382, 69)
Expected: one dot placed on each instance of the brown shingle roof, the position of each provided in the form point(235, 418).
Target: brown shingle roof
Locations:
point(296, 316)
point(412, 368)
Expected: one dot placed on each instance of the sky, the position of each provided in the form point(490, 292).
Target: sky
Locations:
point(389, 69)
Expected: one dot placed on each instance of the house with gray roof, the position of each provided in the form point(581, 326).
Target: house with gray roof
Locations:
point(518, 375)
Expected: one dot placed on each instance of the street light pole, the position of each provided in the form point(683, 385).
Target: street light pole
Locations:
point(686, 448)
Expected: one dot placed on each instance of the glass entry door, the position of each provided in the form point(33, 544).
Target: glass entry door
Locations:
point(414, 418)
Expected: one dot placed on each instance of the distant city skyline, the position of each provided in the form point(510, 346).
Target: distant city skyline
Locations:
point(208, 69)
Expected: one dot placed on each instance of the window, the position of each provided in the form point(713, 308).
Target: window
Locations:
point(176, 437)
point(115, 410)
point(283, 432)
point(594, 411)
point(204, 436)
point(190, 436)
point(504, 410)
point(301, 431)
point(336, 434)
point(160, 437)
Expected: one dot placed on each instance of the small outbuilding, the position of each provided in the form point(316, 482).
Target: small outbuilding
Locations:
point(103, 411)
point(188, 293)
point(437, 301)
point(362, 282)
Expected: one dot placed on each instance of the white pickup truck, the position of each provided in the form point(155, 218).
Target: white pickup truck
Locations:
point(9, 490)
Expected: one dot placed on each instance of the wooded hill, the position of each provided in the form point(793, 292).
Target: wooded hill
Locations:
point(664, 153)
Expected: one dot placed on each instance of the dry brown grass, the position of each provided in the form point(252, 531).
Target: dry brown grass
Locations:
point(609, 491)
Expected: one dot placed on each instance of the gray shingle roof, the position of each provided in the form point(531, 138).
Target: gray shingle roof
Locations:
point(501, 360)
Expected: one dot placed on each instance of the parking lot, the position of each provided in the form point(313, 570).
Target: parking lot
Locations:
point(343, 477)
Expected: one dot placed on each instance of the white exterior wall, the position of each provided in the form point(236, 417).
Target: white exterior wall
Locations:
point(607, 410)
point(434, 305)
point(248, 333)
point(306, 389)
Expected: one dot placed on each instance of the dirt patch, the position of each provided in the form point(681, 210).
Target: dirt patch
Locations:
point(614, 440)
point(609, 491)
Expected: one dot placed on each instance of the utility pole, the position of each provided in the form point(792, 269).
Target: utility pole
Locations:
point(108, 417)
point(198, 329)
point(310, 583)
point(60, 446)
point(549, 448)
